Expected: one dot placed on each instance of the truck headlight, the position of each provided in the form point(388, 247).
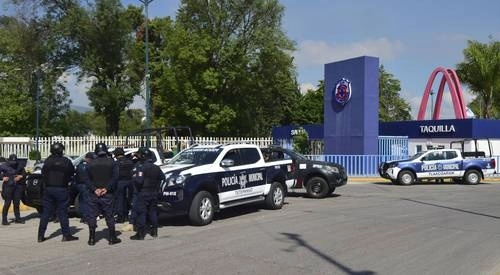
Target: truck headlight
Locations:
point(332, 169)
point(181, 179)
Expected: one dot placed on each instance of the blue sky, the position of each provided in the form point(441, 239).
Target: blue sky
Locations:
point(411, 38)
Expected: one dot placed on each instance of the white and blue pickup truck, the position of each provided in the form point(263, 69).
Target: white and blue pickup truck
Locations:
point(461, 167)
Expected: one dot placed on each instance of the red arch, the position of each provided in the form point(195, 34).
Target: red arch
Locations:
point(449, 77)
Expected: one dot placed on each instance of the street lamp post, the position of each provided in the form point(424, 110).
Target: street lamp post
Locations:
point(37, 100)
point(146, 73)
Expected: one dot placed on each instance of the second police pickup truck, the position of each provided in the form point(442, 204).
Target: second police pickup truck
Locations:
point(466, 167)
point(206, 178)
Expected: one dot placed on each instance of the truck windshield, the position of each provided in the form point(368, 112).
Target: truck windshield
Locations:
point(197, 156)
point(417, 155)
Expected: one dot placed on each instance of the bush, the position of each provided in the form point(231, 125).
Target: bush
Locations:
point(301, 141)
point(34, 155)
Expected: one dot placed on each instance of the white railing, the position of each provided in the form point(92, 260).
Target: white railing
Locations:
point(80, 145)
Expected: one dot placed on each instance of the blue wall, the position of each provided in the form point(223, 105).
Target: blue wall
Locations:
point(352, 129)
point(443, 128)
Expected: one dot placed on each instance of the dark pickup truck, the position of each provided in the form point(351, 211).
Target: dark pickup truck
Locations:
point(318, 178)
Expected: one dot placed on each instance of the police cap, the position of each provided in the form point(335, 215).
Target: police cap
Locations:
point(101, 149)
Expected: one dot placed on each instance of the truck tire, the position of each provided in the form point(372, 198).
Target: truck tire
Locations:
point(406, 177)
point(317, 187)
point(202, 208)
point(276, 196)
point(472, 177)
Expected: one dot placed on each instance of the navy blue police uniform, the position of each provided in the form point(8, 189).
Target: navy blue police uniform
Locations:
point(14, 188)
point(81, 186)
point(148, 178)
point(8, 188)
point(124, 188)
point(57, 173)
point(101, 181)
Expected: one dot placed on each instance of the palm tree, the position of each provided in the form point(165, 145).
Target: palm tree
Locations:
point(481, 72)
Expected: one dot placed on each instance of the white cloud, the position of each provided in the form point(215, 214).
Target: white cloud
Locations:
point(313, 53)
point(447, 111)
point(305, 87)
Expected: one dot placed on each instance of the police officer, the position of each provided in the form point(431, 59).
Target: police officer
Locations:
point(101, 181)
point(148, 178)
point(6, 173)
point(124, 189)
point(14, 188)
point(81, 186)
point(57, 173)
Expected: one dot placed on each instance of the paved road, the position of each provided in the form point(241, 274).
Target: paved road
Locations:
point(365, 228)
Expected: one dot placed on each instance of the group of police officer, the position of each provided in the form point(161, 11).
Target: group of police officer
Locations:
point(103, 183)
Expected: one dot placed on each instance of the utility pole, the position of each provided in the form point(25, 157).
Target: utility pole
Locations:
point(146, 75)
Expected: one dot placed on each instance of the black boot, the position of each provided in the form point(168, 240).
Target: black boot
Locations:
point(112, 237)
point(139, 235)
point(19, 221)
point(69, 238)
point(154, 232)
point(5, 222)
point(41, 237)
point(91, 236)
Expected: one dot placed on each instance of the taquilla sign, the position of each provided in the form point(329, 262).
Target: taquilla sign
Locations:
point(425, 129)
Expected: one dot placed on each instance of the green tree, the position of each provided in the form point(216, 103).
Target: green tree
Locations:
point(480, 70)
point(75, 124)
point(391, 106)
point(301, 141)
point(32, 59)
point(226, 69)
point(310, 106)
point(107, 55)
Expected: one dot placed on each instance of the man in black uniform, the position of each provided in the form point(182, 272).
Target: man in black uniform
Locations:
point(14, 189)
point(101, 181)
point(81, 186)
point(148, 178)
point(124, 189)
point(8, 188)
point(57, 173)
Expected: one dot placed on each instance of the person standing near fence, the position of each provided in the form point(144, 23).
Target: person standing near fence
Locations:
point(147, 181)
point(57, 173)
point(124, 189)
point(6, 172)
point(101, 181)
point(13, 189)
point(81, 186)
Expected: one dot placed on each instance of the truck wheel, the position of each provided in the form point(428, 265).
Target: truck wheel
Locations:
point(406, 178)
point(317, 187)
point(472, 177)
point(201, 211)
point(276, 196)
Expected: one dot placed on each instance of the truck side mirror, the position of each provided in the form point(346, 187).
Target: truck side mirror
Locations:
point(227, 163)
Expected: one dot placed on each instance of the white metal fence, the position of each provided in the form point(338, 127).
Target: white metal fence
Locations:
point(80, 145)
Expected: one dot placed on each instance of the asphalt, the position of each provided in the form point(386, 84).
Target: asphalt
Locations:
point(352, 180)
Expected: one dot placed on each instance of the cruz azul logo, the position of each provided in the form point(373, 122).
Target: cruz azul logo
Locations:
point(343, 91)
